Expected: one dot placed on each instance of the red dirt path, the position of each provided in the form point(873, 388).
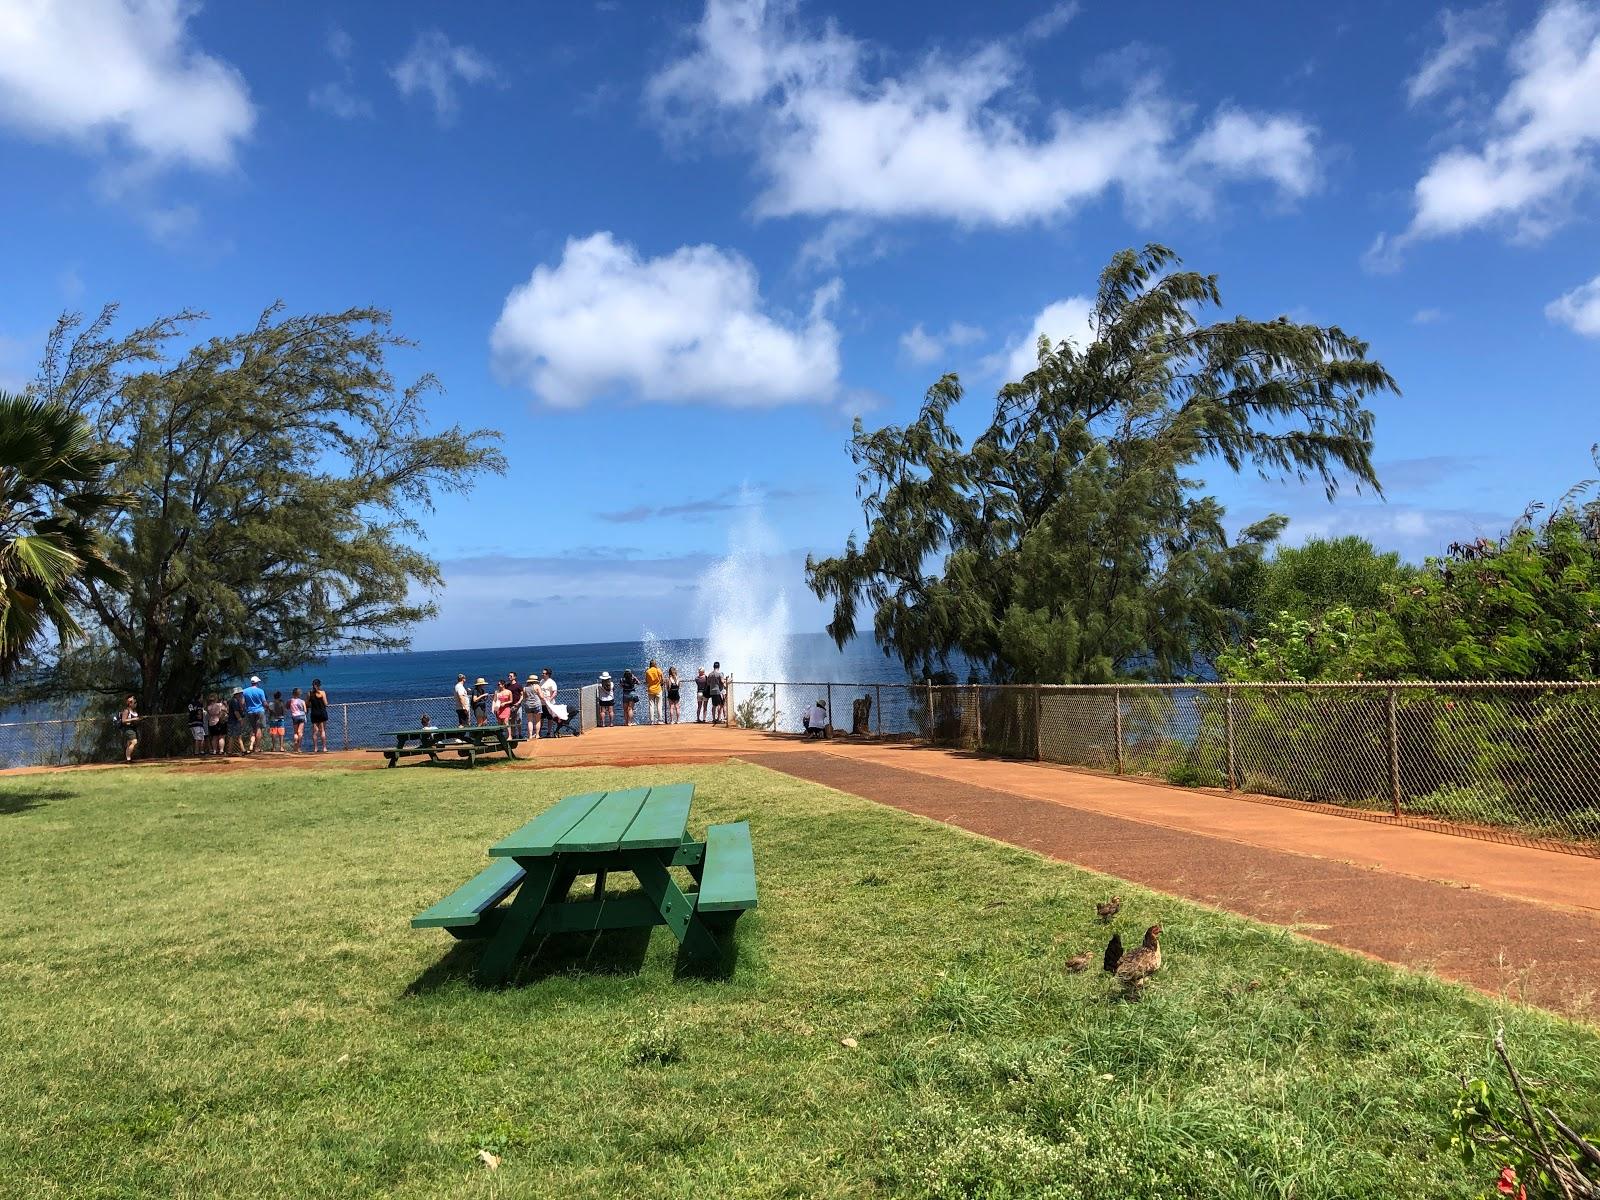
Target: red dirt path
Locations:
point(1531, 952)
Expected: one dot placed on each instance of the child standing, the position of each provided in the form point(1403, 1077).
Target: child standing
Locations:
point(297, 717)
point(275, 714)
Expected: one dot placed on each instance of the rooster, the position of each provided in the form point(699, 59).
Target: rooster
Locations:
point(1109, 908)
point(1138, 964)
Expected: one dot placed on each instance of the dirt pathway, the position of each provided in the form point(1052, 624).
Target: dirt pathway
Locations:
point(1530, 951)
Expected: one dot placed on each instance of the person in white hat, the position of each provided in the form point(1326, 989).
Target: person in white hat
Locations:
point(480, 701)
point(255, 712)
point(532, 705)
point(606, 701)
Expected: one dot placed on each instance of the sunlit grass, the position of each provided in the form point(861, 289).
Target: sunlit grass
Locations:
point(210, 988)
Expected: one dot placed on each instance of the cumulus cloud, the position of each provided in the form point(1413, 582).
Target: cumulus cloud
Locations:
point(1579, 309)
point(1467, 35)
point(922, 347)
point(338, 97)
point(1521, 168)
point(435, 66)
point(688, 326)
point(122, 73)
point(1065, 320)
point(952, 138)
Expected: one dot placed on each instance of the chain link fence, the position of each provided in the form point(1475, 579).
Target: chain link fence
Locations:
point(1513, 762)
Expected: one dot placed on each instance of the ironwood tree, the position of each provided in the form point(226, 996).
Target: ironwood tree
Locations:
point(1071, 541)
point(272, 481)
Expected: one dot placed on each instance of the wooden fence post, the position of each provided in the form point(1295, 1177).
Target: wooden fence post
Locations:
point(879, 689)
point(1038, 723)
point(977, 716)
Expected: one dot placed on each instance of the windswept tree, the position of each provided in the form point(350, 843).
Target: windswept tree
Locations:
point(1071, 542)
point(51, 491)
point(273, 481)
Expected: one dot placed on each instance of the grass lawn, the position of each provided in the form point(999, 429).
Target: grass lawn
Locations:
point(210, 988)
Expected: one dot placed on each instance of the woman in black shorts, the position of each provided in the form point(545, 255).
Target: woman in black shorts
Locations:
point(674, 693)
point(630, 694)
point(317, 710)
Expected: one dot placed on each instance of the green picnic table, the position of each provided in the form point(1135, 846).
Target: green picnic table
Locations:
point(642, 831)
point(470, 742)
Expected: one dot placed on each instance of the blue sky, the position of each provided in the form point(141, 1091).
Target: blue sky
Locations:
point(671, 249)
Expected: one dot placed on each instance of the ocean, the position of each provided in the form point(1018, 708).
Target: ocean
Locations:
point(806, 657)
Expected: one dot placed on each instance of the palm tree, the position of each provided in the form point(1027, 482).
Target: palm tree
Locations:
point(51, 487)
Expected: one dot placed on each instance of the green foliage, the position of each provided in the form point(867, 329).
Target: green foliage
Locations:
point(755, 710)
point(657, 1043)
point(274, 476)
point(1075, 545)
point(1323, 573)
point(52, 490)
point(1535, 1154)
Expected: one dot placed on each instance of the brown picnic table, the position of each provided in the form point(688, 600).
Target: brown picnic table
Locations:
point(641, 831)
point(470, 742)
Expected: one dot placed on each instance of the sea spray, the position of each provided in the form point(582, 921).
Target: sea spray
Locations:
point(744, 607)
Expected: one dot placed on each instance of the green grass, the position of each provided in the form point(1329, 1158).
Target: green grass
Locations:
point(209, 988)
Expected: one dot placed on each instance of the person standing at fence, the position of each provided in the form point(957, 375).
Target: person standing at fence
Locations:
point(255, 712)
point(516, 704)
point(548, 691)
point(197, 724)
point(216, 726)
point(674, 694)
point(236, 721)
point(532, 705)
point(480, 701)
point(463, 703)
point(653, 680)
point(502, 703)
point(317, 710)
point(630, 694)
point(702, 696)
point(716, 690)
point(297, 718)
point(605, 701)
point(275, 715)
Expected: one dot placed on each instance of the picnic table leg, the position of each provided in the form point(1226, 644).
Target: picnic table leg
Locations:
point(521, 916)
point(677, 910)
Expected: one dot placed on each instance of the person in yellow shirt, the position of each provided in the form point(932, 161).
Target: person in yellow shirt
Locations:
point(652, 687)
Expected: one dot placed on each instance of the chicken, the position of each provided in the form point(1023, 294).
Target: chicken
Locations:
point(1078, 962)
point(1138, 964)
point(1108, 909)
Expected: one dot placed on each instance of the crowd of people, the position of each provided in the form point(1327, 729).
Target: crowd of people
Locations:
point(248, 721)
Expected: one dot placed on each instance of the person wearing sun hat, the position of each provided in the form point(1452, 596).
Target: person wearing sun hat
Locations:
point(532, 705)
point(255, 711)
point(605, 700)
point(480, 701)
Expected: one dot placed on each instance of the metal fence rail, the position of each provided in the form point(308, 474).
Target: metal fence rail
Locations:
point(1514, 762)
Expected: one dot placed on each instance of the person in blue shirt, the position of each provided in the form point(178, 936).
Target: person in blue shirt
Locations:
point(255, 711)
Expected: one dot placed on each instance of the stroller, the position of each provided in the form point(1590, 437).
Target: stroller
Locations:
point(559, 718)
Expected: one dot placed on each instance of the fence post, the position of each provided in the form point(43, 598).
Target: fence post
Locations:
point(878, 687)
point(774, 721)
point(344, 712)
point(1233, 773)
point(977, 716)
point(1038, 723)
point(1116, 701)
point(1394, 750)
point(929, 733)
point(830, 706)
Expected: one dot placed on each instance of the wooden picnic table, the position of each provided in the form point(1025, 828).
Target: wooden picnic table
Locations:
point(470, 742)
point(641, 831)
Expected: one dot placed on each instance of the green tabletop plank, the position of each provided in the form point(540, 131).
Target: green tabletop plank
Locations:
point(662, 819)
point(540, 835)
point(607, 821)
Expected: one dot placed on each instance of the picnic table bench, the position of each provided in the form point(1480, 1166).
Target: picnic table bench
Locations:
point(641, 831)
point(470, 742)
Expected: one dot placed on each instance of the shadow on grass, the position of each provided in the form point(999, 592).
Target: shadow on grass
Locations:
point(24, 799)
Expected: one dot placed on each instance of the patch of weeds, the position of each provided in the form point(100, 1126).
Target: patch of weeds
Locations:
point(499, 1138)
point(656, 1044)
point(872, 879)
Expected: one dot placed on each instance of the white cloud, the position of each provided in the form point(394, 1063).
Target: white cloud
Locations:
point(922, 347)
point(1579, 309)
point(1534, 153)
point(951, 138)
point(435, 65)
point(337, 99)
point(339, 43)
point(120, 72)
point(1466, 36)
point(1065, 320)
point(1427, 316)
point(689, 326)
